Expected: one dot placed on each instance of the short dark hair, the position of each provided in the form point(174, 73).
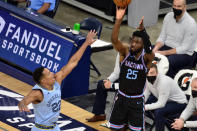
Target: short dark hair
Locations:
point(137, 33)
point(37, 74)
point(154, 66)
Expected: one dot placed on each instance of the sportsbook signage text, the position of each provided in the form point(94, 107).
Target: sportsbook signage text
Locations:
point(31, 46)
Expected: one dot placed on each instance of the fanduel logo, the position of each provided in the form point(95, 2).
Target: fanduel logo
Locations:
point(2, 24)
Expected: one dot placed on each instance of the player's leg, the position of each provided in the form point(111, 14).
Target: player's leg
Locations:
point(119, 117)
point(136, 114)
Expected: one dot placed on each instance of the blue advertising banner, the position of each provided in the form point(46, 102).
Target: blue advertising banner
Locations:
point(23, 121)
point(30, 46)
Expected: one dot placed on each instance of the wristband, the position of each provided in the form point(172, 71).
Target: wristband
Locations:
point(184, 125)
point(116, 86)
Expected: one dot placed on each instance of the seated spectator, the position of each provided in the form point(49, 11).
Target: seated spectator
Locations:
point(44, 7)
point(177, 38)
point(188, 118)
point(170, 98)
point(101, 94)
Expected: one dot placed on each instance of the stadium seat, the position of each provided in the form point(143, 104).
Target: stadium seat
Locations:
point(184, 79)
point(56, 6)
point(92, 24)
point(162, 63)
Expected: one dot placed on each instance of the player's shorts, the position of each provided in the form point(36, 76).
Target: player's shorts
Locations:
point(36, 128)
point(128, 111)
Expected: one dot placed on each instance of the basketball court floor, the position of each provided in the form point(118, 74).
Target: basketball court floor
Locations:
point(13, 90)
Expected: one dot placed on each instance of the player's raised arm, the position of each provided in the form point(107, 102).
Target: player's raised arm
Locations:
point(115, 32)
point(149, 56)
point(72, 63)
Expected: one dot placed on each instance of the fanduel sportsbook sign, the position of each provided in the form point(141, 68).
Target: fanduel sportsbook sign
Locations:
point(30, 46)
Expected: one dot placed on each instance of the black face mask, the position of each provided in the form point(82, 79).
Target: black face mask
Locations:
point(194, 93)
point(177, 12)
point(151, 79)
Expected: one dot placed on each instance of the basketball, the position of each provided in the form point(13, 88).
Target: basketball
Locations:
point(122, 3)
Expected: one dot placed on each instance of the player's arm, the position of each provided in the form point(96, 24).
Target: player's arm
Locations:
point(35, 96)
point(148, 58)
point(149, 55)
point(115, 32)
point(72, 63)
point(44, 8)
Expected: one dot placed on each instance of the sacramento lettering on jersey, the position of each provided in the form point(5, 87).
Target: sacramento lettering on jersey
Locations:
point(134, 65)
point(23, 43)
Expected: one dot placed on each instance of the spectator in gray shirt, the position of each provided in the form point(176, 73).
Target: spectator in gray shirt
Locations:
point(177, 39)
point(189, 111)
point(170, 98)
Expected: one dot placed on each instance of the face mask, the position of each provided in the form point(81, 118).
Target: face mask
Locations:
point(177, 12)
point(194, 93)
point(151, 79)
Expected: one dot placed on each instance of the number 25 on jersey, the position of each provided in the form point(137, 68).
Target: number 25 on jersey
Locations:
point(132, 74)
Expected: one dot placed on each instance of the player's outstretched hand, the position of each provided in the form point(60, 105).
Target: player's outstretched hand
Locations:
point(90, 38)
point(120, 13)
point(23, 107)
point(141, 24)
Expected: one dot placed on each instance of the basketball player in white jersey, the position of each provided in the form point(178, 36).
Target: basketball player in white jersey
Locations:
point(46, 94)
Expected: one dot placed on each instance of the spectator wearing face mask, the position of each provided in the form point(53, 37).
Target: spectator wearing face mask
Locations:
point(188, 118)
point(177, 39)
point(170, 98)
